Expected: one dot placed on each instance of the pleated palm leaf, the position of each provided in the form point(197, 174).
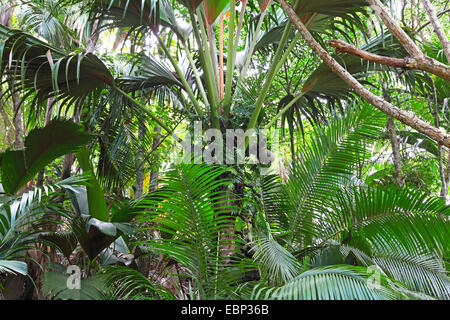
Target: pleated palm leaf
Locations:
point(130, 284)
point(41, 71)
point(323, 166)
point(404, 232)
point(135, 15)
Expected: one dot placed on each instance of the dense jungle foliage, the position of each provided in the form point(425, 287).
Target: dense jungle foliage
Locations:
point(347, 100)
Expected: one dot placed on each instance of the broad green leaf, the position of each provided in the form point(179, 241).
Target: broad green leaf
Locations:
point(107, 228)
point(95, 194)
point(42, 146)
point(55, 285)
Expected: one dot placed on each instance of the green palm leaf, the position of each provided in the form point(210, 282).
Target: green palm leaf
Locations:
point(279, 265)
point(190, 209)
point(135, 15)
point(331, 283)
point(42, 71)
point(42, 146)
point(322, 167)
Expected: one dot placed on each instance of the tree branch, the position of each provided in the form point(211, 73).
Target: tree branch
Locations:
point(423, 64)
point(427, 64)
point(431, 12)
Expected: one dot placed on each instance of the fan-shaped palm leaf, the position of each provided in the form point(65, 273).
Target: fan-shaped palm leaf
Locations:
point(42, 71)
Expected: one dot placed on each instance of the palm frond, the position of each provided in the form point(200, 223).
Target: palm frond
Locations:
point(322, 167)
point(332, 283)
point(423, 273)
point(137, 15)
point(192, 211)
point(130, 284)
point(41, 71)
point(278, 264)
point(14, 211)
point(382, 216)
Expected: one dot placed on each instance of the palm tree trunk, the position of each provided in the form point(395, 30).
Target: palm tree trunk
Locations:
point(93, 40)
point(395, 144)
point(399, 177)
point(48, 117)
point(8, 124)
point(139, 184)
point(444, 188)
point(227, 245)
point(154, 174)
point(18, 122)
point(6, 13)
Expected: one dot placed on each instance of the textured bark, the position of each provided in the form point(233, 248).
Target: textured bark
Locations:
point(48, 118)
point(8, 124)
point(395, 143)
point(444, 189)
point(431, 12)
point(18, 123)
point(424, 63)
point(429, 64)
point(139, 184)
point(227, 237)
point(154, 174)
point(408, 118)
point(93, 40)
point(6, 13)
point(396, 30)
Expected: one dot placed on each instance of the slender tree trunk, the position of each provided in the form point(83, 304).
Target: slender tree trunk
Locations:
point(8, 124)
point(399, 177)
point(139, 184)
point(444, 190)
point(18, 122)
point(429, 64)
point(6, 14)
point(433, 107)
point(48, 118)
point(395, 144)
point(120, 37)
point(405, 63)
point(431, 12)
point(154, 174)
point(93, 40)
